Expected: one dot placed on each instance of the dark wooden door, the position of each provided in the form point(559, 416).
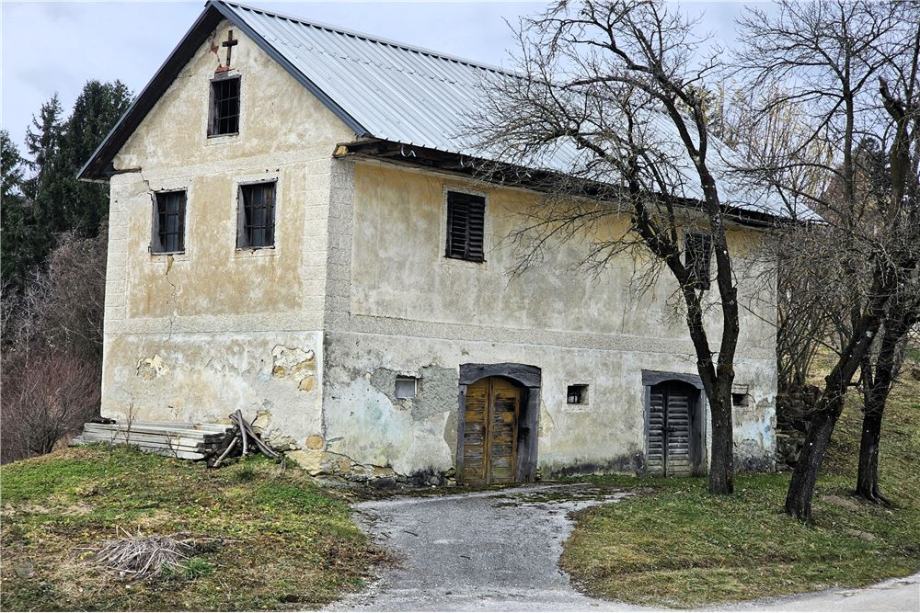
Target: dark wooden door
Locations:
point(671, 430)
point(490, 426)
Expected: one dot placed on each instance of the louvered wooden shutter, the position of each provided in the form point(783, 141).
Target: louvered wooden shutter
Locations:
point(654, 457)
point(465, 226)
point(669, 431)
point(678, 433)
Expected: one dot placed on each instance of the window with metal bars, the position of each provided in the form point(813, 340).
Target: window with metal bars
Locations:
point(168, 223)
point(225, 107)
point(465, 226)
point(697, 255)
point(256, 216)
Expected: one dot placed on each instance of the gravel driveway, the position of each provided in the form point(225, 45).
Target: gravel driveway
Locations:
point(498, 551)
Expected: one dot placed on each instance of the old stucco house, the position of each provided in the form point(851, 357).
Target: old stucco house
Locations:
point(291, 235)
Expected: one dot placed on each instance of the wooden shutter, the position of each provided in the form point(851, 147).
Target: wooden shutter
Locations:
point(678, 433)
point(465, 226)
point(654, 457)
point(669, 430)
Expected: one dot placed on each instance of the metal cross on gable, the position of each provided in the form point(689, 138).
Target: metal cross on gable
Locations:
point(230, 43)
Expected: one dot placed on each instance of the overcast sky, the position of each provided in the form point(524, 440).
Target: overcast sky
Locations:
point(58, 46)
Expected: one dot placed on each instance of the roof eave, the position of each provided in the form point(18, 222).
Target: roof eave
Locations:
point(541, 181)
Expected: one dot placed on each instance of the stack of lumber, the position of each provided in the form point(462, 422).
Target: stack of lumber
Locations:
point(179, 440)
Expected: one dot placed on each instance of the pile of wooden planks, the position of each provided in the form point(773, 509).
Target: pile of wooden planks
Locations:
point(180, 440)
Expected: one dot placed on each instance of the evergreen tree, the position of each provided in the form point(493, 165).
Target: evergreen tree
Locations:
point(16, 227)
point(42, 139)
point(63, 203)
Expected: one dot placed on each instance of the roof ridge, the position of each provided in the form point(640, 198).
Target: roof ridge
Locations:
point(368, 37)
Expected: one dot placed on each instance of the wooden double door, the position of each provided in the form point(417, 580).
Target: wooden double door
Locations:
point(674, 446)
point(490, 431)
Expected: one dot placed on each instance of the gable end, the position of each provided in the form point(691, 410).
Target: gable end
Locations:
point(99, 166)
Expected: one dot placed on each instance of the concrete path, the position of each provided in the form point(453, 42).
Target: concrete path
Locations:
point(498, 551)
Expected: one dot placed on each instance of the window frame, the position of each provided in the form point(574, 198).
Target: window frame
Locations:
point(700, 268)
point(214, 116)
point(243, 237)
point(157, 244)
point(453, 199)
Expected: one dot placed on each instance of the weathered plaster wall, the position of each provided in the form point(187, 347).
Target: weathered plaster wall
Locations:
point(403, 307)
point(197, 335)
point(310, 335)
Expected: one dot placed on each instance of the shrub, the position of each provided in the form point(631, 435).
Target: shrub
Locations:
point(46, 395)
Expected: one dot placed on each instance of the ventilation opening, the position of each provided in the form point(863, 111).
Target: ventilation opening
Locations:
point(741, 400)
point(577, 394)
point(406, 387)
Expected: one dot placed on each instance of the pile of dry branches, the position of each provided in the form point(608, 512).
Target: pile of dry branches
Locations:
point(139, 557)
point(244, 438)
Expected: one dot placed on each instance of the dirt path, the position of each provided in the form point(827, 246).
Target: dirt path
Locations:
point(498, 551)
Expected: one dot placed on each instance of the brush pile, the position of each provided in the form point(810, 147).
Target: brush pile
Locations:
point(140, 557)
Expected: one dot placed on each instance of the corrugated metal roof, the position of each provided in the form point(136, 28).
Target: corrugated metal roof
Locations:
point(415, 96)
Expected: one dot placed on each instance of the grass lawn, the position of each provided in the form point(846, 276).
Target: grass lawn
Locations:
point(677, 546)
point(283, 543)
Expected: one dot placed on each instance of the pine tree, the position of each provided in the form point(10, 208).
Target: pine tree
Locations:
point(41, 142)
point(63, 203)
point(16, 228)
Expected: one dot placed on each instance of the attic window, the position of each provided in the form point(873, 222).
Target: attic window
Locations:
point(225, 107)
point(577, 394)
point(406, 387)
point(697, 255)
point(465, 226)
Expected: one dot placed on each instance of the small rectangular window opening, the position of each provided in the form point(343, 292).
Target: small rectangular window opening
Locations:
point(168, 223)
point(465, 226)
point(577, 394)
point(225, 107)
point(406, 387)
point(741, 400)
point(697, 256)
point(256, 216)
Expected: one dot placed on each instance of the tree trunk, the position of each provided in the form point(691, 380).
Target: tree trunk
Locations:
point(805, 474)
point(721, 469)
point(867, 477)
point(898, 322)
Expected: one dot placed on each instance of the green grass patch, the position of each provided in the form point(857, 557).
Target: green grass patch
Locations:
point(678, 546)
point(277, 540)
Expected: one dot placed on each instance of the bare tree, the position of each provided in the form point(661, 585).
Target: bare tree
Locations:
point(833, 61)
point(611, 103)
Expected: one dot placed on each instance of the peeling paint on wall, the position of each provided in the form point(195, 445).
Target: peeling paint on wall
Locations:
point(298, 365)
point(151, 368)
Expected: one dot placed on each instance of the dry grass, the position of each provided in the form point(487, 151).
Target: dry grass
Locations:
point(260, 537)
point(140, 557)
point(680, 547)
